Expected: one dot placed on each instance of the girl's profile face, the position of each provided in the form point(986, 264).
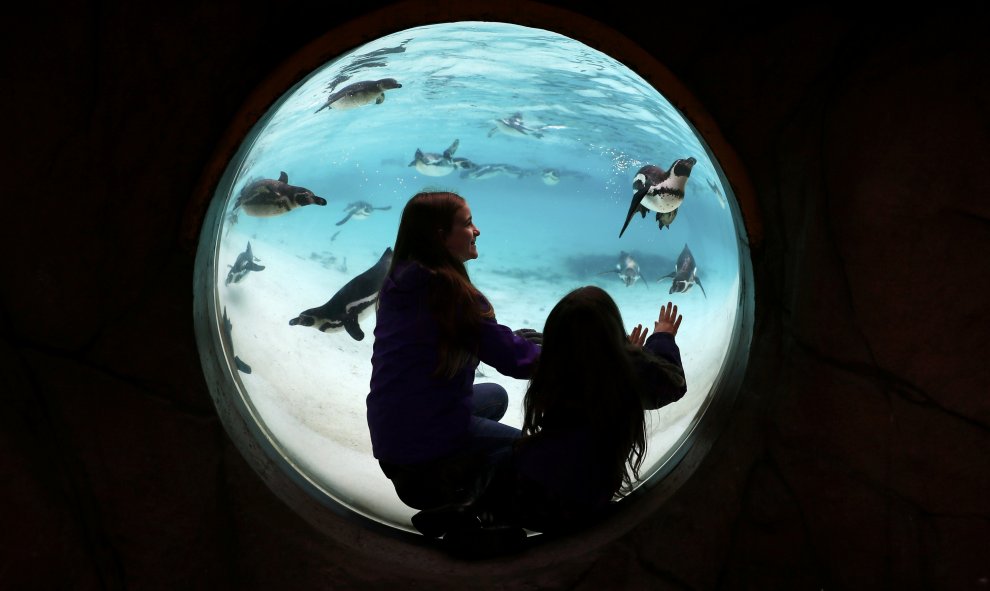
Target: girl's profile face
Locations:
point(460, 241)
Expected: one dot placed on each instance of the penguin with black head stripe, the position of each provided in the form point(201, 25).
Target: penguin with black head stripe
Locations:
point(659, 190)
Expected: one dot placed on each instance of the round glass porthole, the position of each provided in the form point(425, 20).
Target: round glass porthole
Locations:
point(558, 148)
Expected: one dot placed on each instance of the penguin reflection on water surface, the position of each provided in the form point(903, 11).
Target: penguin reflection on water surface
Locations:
point(270, 197)
point(659, 190)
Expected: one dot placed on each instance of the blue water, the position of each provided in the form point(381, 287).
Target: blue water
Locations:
point(600, 123)
point(605, 123)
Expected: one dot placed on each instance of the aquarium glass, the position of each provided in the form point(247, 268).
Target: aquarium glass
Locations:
point(544, 137)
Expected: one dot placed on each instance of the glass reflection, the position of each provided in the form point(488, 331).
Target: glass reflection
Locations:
point(577, 169)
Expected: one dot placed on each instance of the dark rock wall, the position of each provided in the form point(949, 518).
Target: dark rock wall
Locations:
point(856, 456)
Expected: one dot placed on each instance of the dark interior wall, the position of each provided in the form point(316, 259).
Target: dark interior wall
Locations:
point(856, 454)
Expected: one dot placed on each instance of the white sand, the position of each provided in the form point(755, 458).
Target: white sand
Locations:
point(308, 388)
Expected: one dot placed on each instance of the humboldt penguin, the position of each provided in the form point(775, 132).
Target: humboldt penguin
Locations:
point(352, 302)
point(245, 263)
point(463, 164)
point(659, 190)
point(627, 269)
point(432, 164)
point(685, 274)
point(550, 176)
point(359, 94)
point(513, 125)
point(490, 171)
point(359, 210)
point(270, 197)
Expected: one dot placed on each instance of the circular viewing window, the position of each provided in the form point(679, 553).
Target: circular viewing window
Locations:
point(544, 136)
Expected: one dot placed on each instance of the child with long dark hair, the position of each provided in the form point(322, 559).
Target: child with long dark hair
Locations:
point(584, 435)
point(434, 431)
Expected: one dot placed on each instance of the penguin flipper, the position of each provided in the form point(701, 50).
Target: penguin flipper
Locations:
point(282, 177)
point(255, 267)
point(325, 105)
point(449, 152)
point(380, 99)
point(636, 201)
point(492, 131)
point(698, 281)
point(353, 328)
point(667, 276)
point(341, 222)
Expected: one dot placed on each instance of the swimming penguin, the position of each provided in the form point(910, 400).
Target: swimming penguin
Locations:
point(550, 176)
point(359, 94)
point(628, 270)
point(350, 303)
point(359, 210)
point(490, 171)
point(268, 197)
point(432, 164)
point(513, 125)
point(685, 274)
point(463, 164)
point(245, 263)
point(661, 191)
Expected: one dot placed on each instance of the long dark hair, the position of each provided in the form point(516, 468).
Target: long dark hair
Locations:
point(454, 301)
point(586, 373)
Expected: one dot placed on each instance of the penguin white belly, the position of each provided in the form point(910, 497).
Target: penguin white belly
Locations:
point(267, 208)
point(662, 202)
point(434, 169)
point(357, 99)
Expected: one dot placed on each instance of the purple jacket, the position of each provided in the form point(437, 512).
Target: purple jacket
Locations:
point(412, 415)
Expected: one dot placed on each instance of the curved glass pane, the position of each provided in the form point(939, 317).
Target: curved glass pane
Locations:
point(544, 137)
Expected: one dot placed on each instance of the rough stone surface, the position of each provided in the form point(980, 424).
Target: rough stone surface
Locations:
point(856, 454)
